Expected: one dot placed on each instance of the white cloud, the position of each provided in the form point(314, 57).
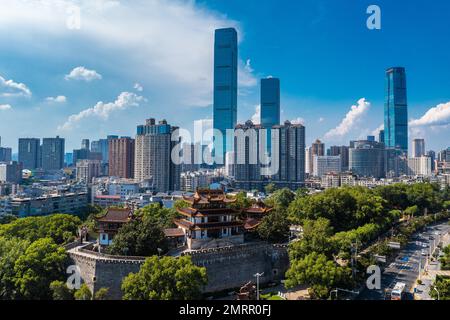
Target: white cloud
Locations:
point(436, 116)
point(102, 110)
point(81, 73)
point(321, 119)
point(58, 99)
point(376, 132)
point(10, 88)
point(138, 87)
point(4, 107)
point(256, 118)
point(298, 121)
point(350, 120)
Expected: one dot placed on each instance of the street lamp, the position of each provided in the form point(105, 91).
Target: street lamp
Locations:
point(436, 291)
point(335, 291)
point(258, 275)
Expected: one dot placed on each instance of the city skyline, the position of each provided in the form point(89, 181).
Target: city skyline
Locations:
point(79, 96)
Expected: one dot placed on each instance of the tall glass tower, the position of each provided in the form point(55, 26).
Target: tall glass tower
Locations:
point(396, 110)
point(225, 85)
point(270, 102)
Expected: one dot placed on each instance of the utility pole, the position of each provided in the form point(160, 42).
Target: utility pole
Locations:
point(258, 275)
point(435, 289)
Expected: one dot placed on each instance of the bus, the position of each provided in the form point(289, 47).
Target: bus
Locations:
point(398, 291)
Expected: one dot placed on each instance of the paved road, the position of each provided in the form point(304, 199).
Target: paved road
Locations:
point(405, 268)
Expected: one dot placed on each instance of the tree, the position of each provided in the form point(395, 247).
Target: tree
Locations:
point(442, 284)
point(7, 218)
point(280, 199)
point(140, 237)
point(60, 291)
point(242, 201)
point(411, 211)
point(316, 238)
point(83, 293)
point(270, 188)
point(319, 273)
point(62, 228)
point(165, 278)
point(10, 251)
point(163, 216)
point(274, 227)
point(43, 262)
point(101, 294)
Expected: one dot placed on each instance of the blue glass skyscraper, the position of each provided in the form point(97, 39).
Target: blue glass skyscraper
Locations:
point(225, 84)
point(270, 102)
point(396, 110)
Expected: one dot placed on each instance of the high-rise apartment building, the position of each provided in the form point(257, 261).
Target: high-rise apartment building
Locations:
point(419, 166)
point(121, 157)
point(326, 164)
point(88, 169)
point(317, 149)
point(341, 151)
point(29, 153)
point(52, 152)
point(396, 110)
point(225, 86)
point(153, 163)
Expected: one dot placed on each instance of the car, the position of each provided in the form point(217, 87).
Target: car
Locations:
point(424, 252)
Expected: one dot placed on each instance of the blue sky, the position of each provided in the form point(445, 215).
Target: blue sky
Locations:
point(130, 60)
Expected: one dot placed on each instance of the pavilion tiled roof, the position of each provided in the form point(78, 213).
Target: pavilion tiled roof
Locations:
point(116, 215)
point(207, 196)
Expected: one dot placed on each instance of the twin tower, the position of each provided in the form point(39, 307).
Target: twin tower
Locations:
point(226, 88)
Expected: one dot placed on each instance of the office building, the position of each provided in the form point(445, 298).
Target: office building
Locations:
point(52, 152)
point(326, 164)
point(270, 102)
point(366, 159)
point(418, 148)
point(10, 172)
point(396, 110)
point(341, 151)
point(225, 87)
point(121, 157)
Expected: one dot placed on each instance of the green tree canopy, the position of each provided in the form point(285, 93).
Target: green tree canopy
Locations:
point(60, 291)
point(274, 227)
point(165, 278)
point(319, 273)
point(83, 293)
point(62, 228)
point(139, 237)
point(280, 199)
point(43, 262)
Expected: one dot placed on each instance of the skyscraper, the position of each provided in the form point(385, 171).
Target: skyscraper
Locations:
point(29, 153)
point(85, 144)
point(317, 149)
point(396, 110)
point(366, 158)
point(153, 162)
point(270, 102)
point(225, 86)
point(418, 148)
point(121, 157)
point(52, 151)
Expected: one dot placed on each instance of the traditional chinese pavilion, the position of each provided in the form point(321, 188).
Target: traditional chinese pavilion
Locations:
point(209, 222)
point(109, 224)
point(254, 215)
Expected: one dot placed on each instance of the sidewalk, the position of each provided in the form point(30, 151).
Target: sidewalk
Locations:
point(434, 268)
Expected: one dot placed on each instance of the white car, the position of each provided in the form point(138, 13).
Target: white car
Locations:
point(424, 252)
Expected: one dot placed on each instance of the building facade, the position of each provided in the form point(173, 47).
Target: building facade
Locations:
point(225, 86)
point(326, 164)
point(396, 110)
point(52, 152)
point(121, 157)
point(366, 159)
point(88, 169)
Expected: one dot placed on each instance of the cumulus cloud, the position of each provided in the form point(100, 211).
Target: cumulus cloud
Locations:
point(103, 110)
point(436, 116)
point(298, 121)
point(81, 73)
point(138, 87)
point(350, 120)
point(256, 118)
point(57, 99)
point(377, 130)
point(10, 88)
point(4, 107)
